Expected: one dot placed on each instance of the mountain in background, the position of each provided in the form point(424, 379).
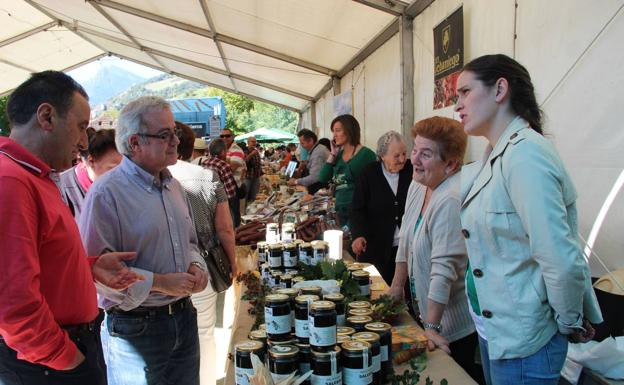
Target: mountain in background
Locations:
point(109, 81)
point(165, 86)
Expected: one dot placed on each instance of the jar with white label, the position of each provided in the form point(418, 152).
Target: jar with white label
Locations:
point(297, 279)
point(384, 331)
point(342, 338)
point(326, 367)
point(322, 325)
point(261, 247)
point(243, 368)
point(362, 277)
point(283, 360)
point(320, 252)
point(260, 336)
point(286, 281)
point(275, 256)
point(360, 311)
point(264, 272)
point(277, 316)
point(355, 266)
point(305, 253)
point(339, 300)
point(304, 360)
point(292, 294)
point(272, 233)
point(373, 340)
point(356, 361)
point(290, 255)
point(275, 278)
point(302, 311)
point(359, 305)
point(345, 331)
point(314, 290)
point(288, 232)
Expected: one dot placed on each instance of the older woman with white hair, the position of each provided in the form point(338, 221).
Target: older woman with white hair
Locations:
point(378, 204)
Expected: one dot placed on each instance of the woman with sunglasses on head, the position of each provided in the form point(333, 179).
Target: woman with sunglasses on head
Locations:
point(528, 284)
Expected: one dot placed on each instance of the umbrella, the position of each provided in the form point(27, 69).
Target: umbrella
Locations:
point(269, 135)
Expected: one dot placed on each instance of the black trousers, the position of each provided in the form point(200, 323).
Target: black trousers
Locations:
point(463, 351)
point(91, 371)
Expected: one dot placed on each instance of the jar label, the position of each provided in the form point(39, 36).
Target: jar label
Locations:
point(278, 324)
point(279, 377)
point(335, 379)
point(241, 375)
point(261, 256)
point(356, 376)
point(341, 320)
point(301, 328)
point(304, 367)
point(290, 260)
point(303, 257)
point(365, 289)
point(325, 336)
point(384, 353)
point(275, 261)
point(376, 367)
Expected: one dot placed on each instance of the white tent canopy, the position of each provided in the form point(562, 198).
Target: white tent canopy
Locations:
point(280, 51)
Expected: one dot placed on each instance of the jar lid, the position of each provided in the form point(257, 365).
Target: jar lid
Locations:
point(334, 297)
point(262, 327)
point(305, 298)
point(359, 319)
point(286, 276)
point(288, 342)
point(271, 226)
point(378, 327)
point(326, 356)
point(290, 245)
point(305, 244)
point(261, 244)
point(290, 292)
point(355, 266)
point(275, 273)
point(355, 346)
point(298, 241)
point(257, 334)
point(360, 273)
point(342, 338)
point(311, 289)
point(298, 278)
point(359, 304)
point(283, 351)
point(276, 298)
point(344, 330)
point(248, 346)
point(366, 336)
point(275, 246)
point(319, 244)
point(323, 305)
point(303, 348)
point(360, 311)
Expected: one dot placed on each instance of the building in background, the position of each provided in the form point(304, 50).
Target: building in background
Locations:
point(206, 116)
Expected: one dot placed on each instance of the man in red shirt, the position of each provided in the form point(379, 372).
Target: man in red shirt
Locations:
point(48, 303)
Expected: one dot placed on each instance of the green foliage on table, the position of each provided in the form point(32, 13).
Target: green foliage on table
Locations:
point(256, 292)
point(411, 376)
point(387, 309)
point(336, 270)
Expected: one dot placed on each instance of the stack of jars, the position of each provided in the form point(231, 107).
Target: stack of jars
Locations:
point(302, 333)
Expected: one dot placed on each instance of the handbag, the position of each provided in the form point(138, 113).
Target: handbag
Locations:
point(219, 267)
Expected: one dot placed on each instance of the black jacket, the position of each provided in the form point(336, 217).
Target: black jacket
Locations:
point(376, 211)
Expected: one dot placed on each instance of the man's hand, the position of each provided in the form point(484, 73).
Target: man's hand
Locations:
point(292, 182)
point(174, 284)
point(359, 245)
point(583, 336)
point(110, 270)
point(435, 340)
point(201, 278)
point(78, 359)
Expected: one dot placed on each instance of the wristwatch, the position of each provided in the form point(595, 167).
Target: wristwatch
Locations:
point(429, 325)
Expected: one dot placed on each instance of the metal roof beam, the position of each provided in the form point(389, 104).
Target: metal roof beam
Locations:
point(194, 79)
point(211, 24)
point(97, 57)
point(392, 7)
point(416, 7)
point(122, 30)
point(10, 63)
point(28, 33)
point(213, 35)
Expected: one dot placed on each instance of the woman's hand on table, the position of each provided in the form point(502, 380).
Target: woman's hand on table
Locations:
point(435, 340)
point(396, 292)
point(358, 245)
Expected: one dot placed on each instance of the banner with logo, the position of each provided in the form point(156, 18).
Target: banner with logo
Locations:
point(448, 51)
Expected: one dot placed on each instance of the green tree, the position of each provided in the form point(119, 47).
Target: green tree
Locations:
point(5, 130)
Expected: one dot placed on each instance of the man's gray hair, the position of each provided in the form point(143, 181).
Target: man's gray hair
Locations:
point(385, 140)
point(216, 147)
point(131, 120)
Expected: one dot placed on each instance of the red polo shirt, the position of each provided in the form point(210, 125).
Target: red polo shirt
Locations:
point(45, 276)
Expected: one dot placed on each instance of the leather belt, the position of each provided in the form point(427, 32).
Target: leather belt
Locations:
point(142, 311)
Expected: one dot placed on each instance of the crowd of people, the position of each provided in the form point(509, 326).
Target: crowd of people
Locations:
point(485, 254)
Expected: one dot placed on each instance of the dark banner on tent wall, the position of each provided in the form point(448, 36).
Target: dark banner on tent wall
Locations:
point(448, 50)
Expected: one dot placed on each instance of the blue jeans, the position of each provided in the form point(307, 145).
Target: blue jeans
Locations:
point(152, 349)
point(541, 368)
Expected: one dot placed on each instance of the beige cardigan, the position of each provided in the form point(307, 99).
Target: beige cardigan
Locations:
point(436, 254)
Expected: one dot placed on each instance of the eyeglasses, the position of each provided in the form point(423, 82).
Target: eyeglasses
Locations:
point(164, 136)
point(225, 136)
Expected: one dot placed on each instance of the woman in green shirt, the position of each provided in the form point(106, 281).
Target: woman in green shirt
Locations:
point(346, 160)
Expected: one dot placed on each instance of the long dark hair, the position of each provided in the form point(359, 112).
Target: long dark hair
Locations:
point(351, 127)
point(489, 68)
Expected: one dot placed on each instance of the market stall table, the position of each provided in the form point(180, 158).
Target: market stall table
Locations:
point(439, 364)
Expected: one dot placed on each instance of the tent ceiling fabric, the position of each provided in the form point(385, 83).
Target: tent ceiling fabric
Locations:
point(278, 51)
